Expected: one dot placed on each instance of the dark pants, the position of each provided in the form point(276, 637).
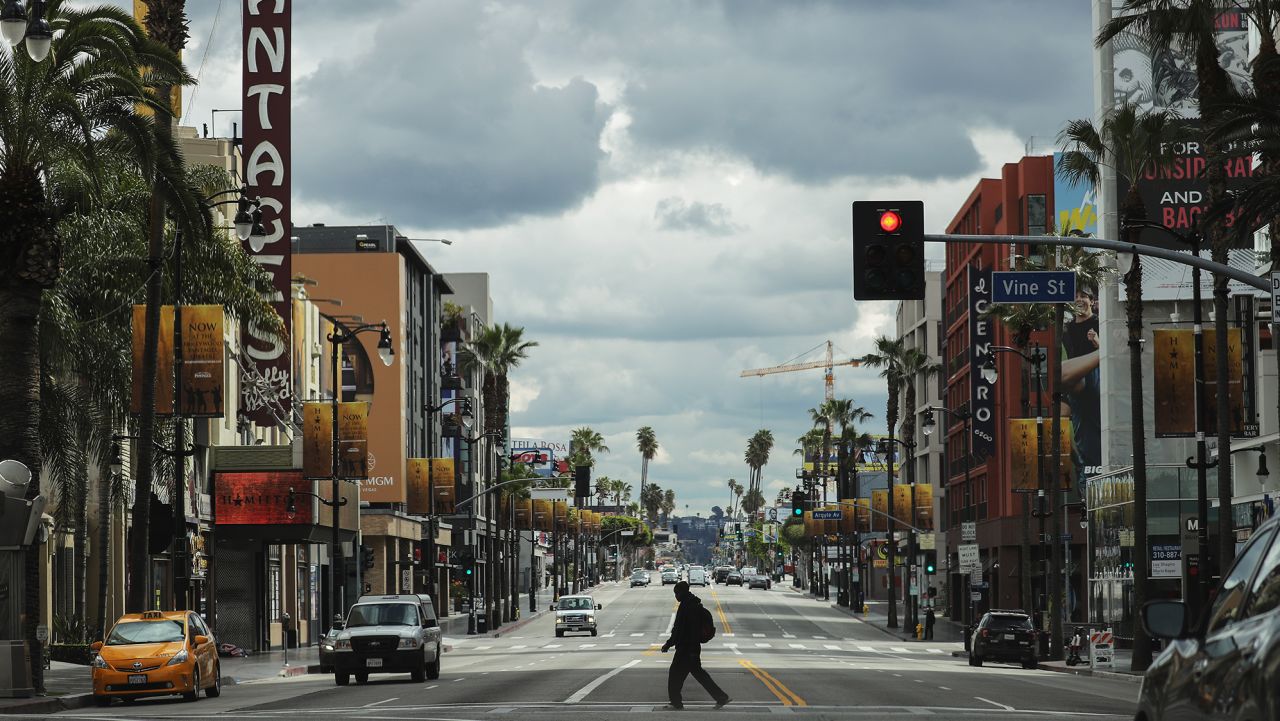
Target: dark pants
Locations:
point(687, 663)
point(928, 630)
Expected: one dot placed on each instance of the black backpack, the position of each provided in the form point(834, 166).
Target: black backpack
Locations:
point(706, 625)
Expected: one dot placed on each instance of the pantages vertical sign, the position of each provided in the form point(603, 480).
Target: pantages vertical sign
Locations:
point(982, 401)
point(266, 98)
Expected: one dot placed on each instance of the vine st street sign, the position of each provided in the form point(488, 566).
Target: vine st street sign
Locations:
point(1033, 286)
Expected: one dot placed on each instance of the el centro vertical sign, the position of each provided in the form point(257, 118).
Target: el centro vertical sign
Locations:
point(982, 400)
point(266, 99)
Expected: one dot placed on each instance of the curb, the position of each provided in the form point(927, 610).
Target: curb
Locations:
point(1086, 671)
point(49, 704)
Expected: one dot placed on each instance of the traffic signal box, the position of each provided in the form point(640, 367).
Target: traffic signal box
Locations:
point(888, 250)
point(798, 503)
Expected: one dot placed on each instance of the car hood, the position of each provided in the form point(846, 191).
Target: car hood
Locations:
point(140, 651)
point(361, 631)
point(574, 612)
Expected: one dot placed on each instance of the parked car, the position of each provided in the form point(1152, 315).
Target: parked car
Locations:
point(1226, 665)
point(697, 577)
point(733, 578)
point(156, 653)
point(576, 613)
point(1004, 636)
point(721, 573)
point(639, 578)
point(670, 577)
point(395, 633)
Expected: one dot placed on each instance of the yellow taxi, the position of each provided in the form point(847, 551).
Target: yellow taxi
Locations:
point(156, 653)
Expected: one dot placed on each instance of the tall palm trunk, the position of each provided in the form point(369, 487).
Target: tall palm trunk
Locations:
point(102, 550)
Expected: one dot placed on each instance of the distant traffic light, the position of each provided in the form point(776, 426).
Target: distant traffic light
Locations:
point(930, 562)
point(798, 501)
point(888, 250)
point(582, 481)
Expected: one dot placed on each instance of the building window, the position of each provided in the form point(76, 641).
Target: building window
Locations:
point(1037, 215)
point(273, 591)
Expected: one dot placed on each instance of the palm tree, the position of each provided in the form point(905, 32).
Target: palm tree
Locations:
point(753, 501)
point(586, 442)
point(1129, 142)
point(1193, 24)
point(496, 351)
point(651, 501)
point(733, 493)
point(888, 358)
point(67, 109)
point(647, 444)
point(668, 505)
point(757, 456)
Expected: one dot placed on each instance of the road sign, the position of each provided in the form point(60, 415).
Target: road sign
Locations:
point(975, 595)
point(968, 531)
point(969, 556)
point(1275, 291)
point(827, 515)
point(1033, 286)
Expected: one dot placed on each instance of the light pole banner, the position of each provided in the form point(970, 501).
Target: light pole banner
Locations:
point(524, 514)
point(863, 519)
point(851, 514)
point(266, 98)
point(982, 396)
point(542, 514)
point(1024, 461)
point(164, 361)
point(419, 491)
point(561, 515)
point(317, 440)
point(924, 506)
point(902, 503)
point(880, 504)
point(442, 485)
point(203, 360)
point(1235, 383)
point(353, 440)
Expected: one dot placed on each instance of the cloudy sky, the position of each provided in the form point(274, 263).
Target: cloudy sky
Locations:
point(660, 189)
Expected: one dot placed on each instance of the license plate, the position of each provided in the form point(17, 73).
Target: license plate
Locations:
point(137, 679)
point(373, 662)
point(1008, 637)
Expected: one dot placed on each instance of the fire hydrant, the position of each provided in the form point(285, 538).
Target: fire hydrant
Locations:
point(919, 631)
point(866, 608)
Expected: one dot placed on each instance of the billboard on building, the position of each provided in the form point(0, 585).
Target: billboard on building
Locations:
point(547, 458)
point(1075, 204)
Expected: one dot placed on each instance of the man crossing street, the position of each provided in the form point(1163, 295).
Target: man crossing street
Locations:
point(687, 636)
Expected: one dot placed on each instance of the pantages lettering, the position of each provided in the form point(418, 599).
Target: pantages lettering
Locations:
point(266, 102)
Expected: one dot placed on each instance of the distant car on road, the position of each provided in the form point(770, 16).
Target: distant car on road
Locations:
point(721, 573)
point(639, 578)
point(758, 580)
point(1007, 636)
point(670, 577)
point(733, 578)
point(697, 577)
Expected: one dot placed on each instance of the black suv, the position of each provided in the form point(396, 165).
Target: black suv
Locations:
point(721, 573)
point(1004, 636)
point(1226, 665)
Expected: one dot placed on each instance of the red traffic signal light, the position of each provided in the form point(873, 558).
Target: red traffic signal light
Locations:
point(890, 221)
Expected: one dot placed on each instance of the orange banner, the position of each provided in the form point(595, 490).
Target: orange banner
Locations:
point(562, 515)
point(880, 508)
point(902, 503)
point(419, 500)
point(542, 514)
point(862, 520)
point(924, 506)
point(524, 514)
point(1024, 459)
point(848, 511)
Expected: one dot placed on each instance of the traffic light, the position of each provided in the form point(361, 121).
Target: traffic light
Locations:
point(467, 560)
point(798, 501)
point(888, 250)
point(366, 556)
point(417, 556)
point(581, 481)
point(930, 562)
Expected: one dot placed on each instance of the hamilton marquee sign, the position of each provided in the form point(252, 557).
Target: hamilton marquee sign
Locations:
point(266, 99)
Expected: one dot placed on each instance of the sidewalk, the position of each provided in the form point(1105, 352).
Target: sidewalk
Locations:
point(944, 629)
point(67, 686)
point(1123, 662)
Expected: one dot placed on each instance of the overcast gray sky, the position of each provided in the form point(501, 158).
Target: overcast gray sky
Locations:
point(660, 189)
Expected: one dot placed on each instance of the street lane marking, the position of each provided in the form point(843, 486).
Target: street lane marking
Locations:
point(621, 645)
point(944, 688)
point(385, 700)
point(764, 645)
point(757, 635)
point(724, 621)
point(831, 646)
point(636, 635)
point(994, 703)
point(935, 650)
point(819, 638)
point(867, 649)
point(899, 649)
point(553, 645)
point(585, 690)
point(776, 687)
point(587, 645)
point(788, 635)
point(671, 623)
point(503, 709)
point(801, 645)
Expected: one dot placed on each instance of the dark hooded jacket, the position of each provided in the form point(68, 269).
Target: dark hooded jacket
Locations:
point(685, 635)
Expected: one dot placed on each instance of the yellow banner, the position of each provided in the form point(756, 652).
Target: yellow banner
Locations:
point(810, 524)
point(419, 491)
point(1235, 382)
point(164, 360)
point(524, 514)
point(542, 514)
point(562, 515)
point(924, 506)
point(442, 485)
point(1174, 384)
point(203, 361)
point(862, 520)
point(880, 506)
point(317, 439)
point(1024, 465)
point(848, 510)
point(902, 503)
point(353, 440)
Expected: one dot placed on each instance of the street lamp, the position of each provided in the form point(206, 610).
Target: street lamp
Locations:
point(885, 447)
point(16, 26)
point(13, 22)
point(965, 417)
point(342, 335)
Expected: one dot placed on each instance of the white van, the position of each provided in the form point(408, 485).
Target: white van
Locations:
point(697, 577)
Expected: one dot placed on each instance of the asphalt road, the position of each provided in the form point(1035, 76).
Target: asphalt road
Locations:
point(776, 651)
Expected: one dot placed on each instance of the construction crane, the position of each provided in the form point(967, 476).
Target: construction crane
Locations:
point(828, 364)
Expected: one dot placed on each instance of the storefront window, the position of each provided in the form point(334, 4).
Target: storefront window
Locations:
point(273, 591)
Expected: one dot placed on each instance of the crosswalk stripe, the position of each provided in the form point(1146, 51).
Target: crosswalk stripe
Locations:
point(866, 648)
point(481, 648)
point(796, 645)
point(587, 645)
point(757, 635)
point(899, 649)
point(621, 645)
point(831, 646)
point(520, 646)
point(764, 645)
point(636, 635)
point(552, 645)
point(935, 650)
point(819, 638)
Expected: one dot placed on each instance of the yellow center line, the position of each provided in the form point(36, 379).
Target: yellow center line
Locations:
point(779, 689)
point(724, 621)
